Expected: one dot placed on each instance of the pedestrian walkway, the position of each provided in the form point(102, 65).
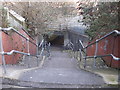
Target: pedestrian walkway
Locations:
point(59, 68)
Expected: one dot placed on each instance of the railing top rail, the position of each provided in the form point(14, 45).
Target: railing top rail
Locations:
point(41, 43)
point(27, 33)
point(115, 31)
point(15, 51)
point(114, 57)
point(11, 28)
point(81, 44)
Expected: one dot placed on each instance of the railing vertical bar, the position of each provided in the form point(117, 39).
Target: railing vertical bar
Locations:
point(80, 54)
point(28, 45)
point(28, 51)
point(114, 39)
point(96, 50)
point(3, 58)
point(4, 64)
point(85, 62)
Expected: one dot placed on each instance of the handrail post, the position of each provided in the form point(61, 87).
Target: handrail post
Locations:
point(37, 47)
point(4, 64)
point(80, 54)
point(96, 50)
point(85, 62)
point(41, 44)
point(28, 50)
point(28, 45)
point(3, 58)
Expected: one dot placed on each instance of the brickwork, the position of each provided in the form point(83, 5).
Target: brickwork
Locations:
point(109, 45)
point(13, 41)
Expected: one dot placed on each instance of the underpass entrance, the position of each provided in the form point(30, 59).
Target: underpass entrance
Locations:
point(57, 39)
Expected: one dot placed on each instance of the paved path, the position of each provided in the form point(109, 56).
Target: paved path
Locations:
point(61, 69)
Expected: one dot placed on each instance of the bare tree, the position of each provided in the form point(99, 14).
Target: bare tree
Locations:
point(39, 15)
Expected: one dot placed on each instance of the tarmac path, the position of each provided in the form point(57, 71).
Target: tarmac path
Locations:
point(61, 69)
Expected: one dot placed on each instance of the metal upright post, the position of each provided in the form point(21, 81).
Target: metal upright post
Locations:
point(37, 45)
point(3, 58)
point(37, 51)
point(96, 50)
point(28, 51)
point(28, 45)
point(80, 54)
point(85, 63)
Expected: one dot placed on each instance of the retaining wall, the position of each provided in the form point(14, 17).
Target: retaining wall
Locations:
point(109, 45)
point(13, 41)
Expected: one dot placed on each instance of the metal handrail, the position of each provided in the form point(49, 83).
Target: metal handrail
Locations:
point(70, 44)
point(11, 28)
point(81, 44)
point(15, 51)
point(96, 42)
point(43, 47)
point(41, 43)
point(114, 57)
point(115, 31)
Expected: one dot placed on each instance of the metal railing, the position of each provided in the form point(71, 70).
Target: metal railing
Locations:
point(14, 51)
point(11, 28)
point(96, 49)
point(41, 45)
point(114, 57)
point(70, 45)
point(115, 31)
point(45, 46)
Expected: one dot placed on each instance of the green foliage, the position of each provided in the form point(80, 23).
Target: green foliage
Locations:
point(101, 19)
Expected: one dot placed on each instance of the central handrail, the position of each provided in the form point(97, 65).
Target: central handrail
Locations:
point(71, 45)
point(42, 43)
point(81, 44)
point(11, 28)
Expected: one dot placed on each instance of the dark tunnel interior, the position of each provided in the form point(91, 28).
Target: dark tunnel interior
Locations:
point(57, 41)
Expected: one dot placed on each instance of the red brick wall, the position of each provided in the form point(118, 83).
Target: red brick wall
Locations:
point(109, 45)
point(13, 41)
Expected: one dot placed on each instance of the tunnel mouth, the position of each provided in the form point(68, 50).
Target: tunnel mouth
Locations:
point(58, 40)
